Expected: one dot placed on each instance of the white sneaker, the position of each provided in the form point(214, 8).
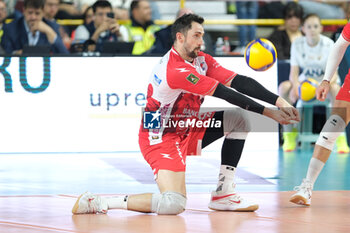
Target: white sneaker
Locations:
point(303, 196)
point(89, 203)
point(230, 201)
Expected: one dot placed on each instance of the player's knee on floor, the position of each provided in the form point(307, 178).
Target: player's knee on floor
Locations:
point(171, 203)
point(333, 127)
point(236, 124)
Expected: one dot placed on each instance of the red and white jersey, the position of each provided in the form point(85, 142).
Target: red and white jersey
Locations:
point(346, 32)
point(176, 89)
point(346, 35)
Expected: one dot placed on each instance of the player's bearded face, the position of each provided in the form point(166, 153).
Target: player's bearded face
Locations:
point(191, 51)
point(194, 40)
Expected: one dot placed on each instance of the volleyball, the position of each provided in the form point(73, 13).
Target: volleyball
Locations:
point(307, 89)
point(260, 54)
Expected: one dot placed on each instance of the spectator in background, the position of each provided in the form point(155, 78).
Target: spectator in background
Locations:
point(3, 16)
point(155, 10)
point(103, 28)
point(309, 55)
point(10, 6)
point(14, 8)
point(282, 38)
point(68, 9)
point(325, 9)
point(88, 16)
point(82, 5)
point(78, 46)
point(164, 40)
point(271, 9)
point(19, 6)
point(31, 29)
point(120, 7)
point(50, 11)
point(246, 10)
point(142, 29)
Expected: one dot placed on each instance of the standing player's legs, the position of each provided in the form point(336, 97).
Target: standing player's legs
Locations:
point(341, 143)
point(333, 91)
point(290, 132)
point(171, 199)
point(334, 127)
point(235, 128)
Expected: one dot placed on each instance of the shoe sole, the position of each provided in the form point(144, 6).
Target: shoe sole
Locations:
point(251, 208)
point(299, 200)
point(76, 205)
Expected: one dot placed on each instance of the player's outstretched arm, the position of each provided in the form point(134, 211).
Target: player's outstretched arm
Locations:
point(287, 108)
point(278, 115)
point(335, 57)
point(244, 102)
point(254, 89)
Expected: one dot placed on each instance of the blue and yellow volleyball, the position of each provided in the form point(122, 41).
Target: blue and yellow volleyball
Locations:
point(307, 89)
point(260, 54)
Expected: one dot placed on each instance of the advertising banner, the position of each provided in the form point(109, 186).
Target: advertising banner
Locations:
point(90, 104)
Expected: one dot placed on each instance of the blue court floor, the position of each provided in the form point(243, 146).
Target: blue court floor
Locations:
point(127, 172)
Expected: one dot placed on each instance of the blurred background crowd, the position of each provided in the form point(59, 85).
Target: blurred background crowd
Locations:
point(75, 26)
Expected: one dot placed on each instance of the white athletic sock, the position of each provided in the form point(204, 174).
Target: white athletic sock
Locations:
point(117, 202)
point(226, 178)
point(315, 167)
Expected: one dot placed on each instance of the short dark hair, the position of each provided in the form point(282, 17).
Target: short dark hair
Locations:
point(184, 23)
point(36, 4)
point(293, 9)
point(133, 5)
point(101, 4)
point(309, 16)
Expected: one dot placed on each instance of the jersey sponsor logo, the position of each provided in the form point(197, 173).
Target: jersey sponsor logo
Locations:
point(157, 80)
point(166, 156)
point(190, 112)
point(216, 65)
point(193, 79)
point(182, 70)
point(151, 120)
point(204, 66)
